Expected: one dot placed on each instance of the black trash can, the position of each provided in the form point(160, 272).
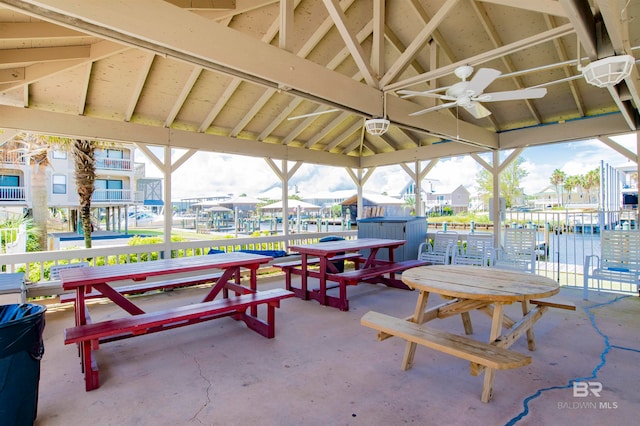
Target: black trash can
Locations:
point(339, 264)
point(21, 349)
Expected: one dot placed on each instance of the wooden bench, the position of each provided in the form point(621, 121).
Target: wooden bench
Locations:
point(90, 335)
point(619, 260)
point(373, 275)
point(147, 286)
point(463, 347)
point(555, 302)
point(485, 354)
point(293, 266)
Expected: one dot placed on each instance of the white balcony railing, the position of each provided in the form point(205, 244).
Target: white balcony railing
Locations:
point(105, 163)
point(12, 158)
point(12, 193)
point(112, 195)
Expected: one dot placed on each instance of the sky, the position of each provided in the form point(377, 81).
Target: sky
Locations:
point(210, 174)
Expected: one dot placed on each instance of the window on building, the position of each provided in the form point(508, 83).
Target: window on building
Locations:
point(109, 159)
point(59, 184)
point(9, 180)
point(110, 153)
point(108, 189)
point(10, 188)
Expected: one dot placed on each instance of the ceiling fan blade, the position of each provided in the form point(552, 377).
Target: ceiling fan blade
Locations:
point(483, 78)
point(313, 114)
point(435, 108)
point(512, 95)
point(477, 110)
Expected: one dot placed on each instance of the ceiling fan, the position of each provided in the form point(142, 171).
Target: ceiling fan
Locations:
point(469, 93)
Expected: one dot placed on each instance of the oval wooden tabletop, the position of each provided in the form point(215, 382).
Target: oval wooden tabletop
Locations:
point(474, 282)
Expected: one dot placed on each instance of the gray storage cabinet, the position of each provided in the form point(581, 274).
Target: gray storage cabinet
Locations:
point(412, 228)
point(12, 288)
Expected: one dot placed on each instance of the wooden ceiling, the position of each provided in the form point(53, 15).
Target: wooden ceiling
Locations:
point(225, 75)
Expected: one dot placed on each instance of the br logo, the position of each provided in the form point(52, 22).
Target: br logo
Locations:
point(583, 389)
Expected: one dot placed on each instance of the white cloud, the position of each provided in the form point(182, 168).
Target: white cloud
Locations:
point(537, 178)
point(207, 174)
point(456, 171)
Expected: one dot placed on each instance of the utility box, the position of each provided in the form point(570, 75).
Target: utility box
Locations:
point(12, 288)
point(413, 229)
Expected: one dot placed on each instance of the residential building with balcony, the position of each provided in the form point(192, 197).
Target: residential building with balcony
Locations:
point(456, 198)
point(14, 176)
point(120, 182)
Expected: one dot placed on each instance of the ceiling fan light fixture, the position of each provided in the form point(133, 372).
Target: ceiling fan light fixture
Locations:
point(609, 71)
point(377, 126)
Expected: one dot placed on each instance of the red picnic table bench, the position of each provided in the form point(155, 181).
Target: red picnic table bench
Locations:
point(243, 305)
point(369, 268)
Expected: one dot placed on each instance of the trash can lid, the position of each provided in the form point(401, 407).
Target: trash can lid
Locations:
point(9, 313)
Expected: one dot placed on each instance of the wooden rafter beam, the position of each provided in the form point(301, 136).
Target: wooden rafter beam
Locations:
point(204, 4)
point(548, 7)
point(581, 17)
point(412, 50)
point(36, 31)
point(564, 57)
point(143, 73)
point(43, 54)
point(358, 55)
point(377, 49)
point(36, 72)
point(493, 35)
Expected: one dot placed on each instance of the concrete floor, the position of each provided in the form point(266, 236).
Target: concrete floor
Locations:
point(324, 368)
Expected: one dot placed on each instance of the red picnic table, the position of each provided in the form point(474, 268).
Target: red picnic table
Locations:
point(85, 281)
point(371, 269)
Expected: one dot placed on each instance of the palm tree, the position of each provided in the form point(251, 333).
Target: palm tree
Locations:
point(557, 179)
point(36, 148)
point(36, 151)
point(571, 183)
point(410, 203)
point(83, 152)
point(582, 184)
point(592, 180)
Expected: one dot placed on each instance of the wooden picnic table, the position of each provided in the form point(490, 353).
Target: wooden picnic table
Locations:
point(84, 281)
point(466, 288)
point(370, 269)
